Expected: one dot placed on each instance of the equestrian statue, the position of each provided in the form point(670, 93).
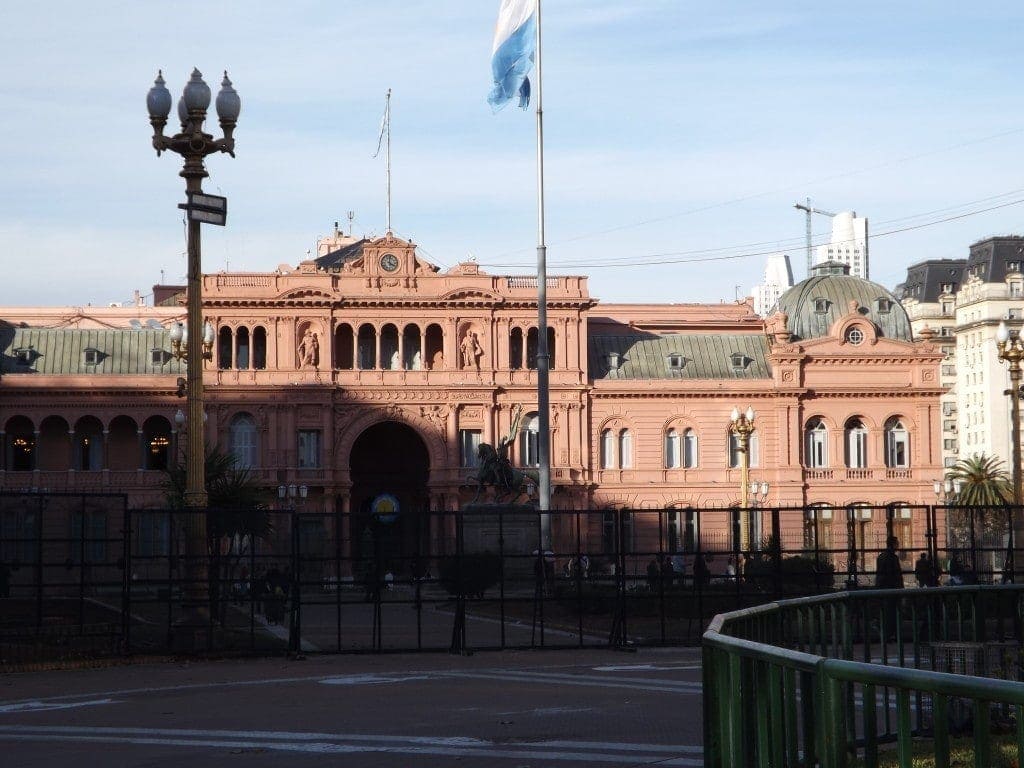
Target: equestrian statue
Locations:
point(494, 470)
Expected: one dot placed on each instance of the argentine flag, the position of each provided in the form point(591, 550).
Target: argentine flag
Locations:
point(515, 40)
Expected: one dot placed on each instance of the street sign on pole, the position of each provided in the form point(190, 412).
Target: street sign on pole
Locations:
point(207, 209)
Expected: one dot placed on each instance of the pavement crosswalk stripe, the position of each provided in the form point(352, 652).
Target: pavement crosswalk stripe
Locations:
point(587, 752)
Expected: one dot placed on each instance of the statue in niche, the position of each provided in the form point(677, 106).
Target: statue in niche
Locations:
point(309, 350)
point(472, 351)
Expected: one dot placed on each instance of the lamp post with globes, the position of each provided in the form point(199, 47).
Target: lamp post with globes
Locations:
point(758, 496)
point(1010, 348)
point(742, 425)
point(193, 144)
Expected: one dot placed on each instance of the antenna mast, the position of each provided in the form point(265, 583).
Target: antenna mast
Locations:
point(351, 217)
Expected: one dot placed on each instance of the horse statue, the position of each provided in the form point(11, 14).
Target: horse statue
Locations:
point(496, 471)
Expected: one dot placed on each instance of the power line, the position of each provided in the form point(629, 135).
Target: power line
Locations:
point(789, 188)
point(713, 254)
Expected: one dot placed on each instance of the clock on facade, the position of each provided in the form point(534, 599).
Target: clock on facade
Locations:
point(389, 262)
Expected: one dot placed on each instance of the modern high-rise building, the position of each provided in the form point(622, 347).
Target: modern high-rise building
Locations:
point(963, 302)
point(778, 278)
point(849, 243)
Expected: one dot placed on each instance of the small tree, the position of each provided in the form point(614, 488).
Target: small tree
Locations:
point(236, 513)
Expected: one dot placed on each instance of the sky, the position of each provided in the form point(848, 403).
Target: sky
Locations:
point(678, 136)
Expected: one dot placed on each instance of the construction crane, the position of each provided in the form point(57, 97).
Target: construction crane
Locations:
point(810, 209)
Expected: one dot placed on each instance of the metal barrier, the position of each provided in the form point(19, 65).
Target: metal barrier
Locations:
point(87, 576)
point(820, 680)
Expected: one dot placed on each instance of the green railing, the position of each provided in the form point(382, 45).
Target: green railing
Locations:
point(830, 679)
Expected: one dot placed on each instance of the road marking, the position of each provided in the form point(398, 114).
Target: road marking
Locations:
point(489, 673)
point(48, 706)
point(371, 679)
point(645, 667)
point(632, 683)
point(341, 743)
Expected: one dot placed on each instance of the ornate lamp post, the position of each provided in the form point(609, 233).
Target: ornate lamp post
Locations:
point(179, 340)
point(758, 496)
point(194, 145)
point(1010, 348)
point(742, 425)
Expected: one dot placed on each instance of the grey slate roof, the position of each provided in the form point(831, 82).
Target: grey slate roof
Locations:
point(704, 356)
point(61, 351)
point(333, 261)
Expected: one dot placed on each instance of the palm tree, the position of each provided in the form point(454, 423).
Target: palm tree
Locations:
point(983, 481)
point(236, 516)
point(983, 487)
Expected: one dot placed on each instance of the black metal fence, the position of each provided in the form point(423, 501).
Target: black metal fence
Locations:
point(85, 576)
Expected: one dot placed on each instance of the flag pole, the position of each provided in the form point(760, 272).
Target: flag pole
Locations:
point(543, 359)
point(387, 159)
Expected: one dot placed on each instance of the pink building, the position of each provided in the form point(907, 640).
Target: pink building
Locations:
point(369, 371)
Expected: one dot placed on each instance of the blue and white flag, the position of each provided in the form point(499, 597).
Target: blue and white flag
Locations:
point(515, 41)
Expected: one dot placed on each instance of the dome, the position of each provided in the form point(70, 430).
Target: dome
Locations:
point(814, 304)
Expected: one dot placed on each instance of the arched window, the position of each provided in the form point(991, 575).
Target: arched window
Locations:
point(690, 455)
point(897, 444)
point(244, 441)
point(625, 449)
point(673, 459)
point(367, 347)
point(515, 349)
point(856, 444)
point(225, 342)
point(531, 349)
point(344, 347)
point(259, 348)
point(529, 441)
point(753, 447)
point(607, 449)
point(389, 348)
point(242, 349)
point(816, 444)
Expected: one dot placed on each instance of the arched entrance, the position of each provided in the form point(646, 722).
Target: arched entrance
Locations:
point(390, 463)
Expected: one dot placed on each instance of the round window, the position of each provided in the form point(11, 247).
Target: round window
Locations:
point(855, 336)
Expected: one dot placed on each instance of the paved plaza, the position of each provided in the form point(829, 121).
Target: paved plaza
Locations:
point(517, 709)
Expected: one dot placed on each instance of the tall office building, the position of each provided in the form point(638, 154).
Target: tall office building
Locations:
point(849, 243)
point(778, 278)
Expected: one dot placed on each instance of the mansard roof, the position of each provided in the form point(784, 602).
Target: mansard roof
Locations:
point(87, 352)
point(332, 261)
point(679, 356)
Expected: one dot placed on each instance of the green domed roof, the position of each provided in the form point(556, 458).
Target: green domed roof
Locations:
point(813, 305)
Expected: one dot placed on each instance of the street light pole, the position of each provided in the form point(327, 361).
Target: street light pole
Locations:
point(742, 425)
point(1011, 350)
point(194, 145)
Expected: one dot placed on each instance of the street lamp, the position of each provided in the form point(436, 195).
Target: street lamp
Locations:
point(758, 496)
point(742, 425)
point(194, 145)
point(179, 340)
point(1010, 348)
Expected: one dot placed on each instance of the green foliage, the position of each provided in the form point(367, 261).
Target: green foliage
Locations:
point(236, 504)
point(983, 481)
point(794, 574)
point(472, 574)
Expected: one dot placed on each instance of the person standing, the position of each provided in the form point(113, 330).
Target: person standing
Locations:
point(889, 575)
